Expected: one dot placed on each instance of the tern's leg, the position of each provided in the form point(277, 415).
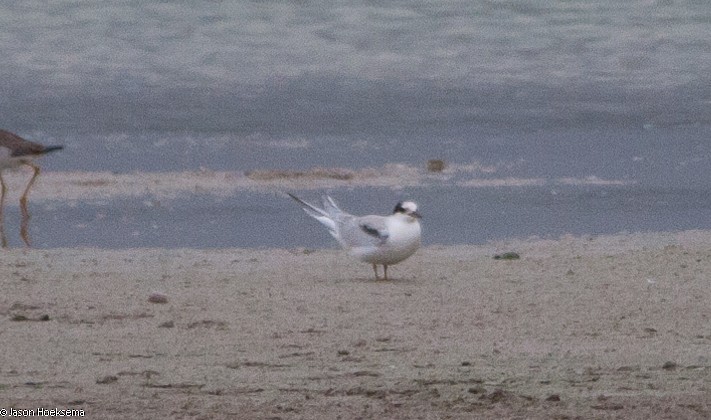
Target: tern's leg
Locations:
point(24, 225)
point(3, 189)
point(375, 269)
point(385, 271)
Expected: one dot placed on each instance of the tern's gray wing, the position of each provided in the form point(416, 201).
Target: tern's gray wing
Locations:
point(363, 231)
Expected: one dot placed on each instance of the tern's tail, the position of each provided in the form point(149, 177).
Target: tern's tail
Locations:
point(331, 208)
point(319, 214)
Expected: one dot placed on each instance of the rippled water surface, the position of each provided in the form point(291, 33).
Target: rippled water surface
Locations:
point(617, 91)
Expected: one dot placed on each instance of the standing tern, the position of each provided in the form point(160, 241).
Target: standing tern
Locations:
point(378, 240)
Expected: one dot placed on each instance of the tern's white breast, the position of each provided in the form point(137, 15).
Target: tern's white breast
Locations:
point(403, 240)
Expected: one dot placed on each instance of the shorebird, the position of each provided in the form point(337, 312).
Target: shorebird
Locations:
point(15, 152)
point(378, 240)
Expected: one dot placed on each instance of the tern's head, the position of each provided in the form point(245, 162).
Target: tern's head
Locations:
point(408, 208)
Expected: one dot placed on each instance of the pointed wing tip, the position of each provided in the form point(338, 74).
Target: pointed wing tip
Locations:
point(297, 199)
point(54, 148)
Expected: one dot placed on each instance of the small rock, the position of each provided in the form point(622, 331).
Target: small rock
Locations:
point(466, 363)
point(607, 407)
point(108, 379)
point(435, 165)
point(507, 256)
point(44, 317)
point(167, 324)
point(553, 397)
point(343, 352)
point(669, 366)
point(157, 297)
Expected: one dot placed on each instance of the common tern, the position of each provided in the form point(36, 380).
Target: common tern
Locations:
point(378, 240)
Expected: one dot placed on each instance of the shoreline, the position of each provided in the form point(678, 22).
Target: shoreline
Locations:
point(74, 186)
point(615, 325)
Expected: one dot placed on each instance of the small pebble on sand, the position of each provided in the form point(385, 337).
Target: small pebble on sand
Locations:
point(157, 297)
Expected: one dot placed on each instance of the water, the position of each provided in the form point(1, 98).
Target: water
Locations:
point(613, 90)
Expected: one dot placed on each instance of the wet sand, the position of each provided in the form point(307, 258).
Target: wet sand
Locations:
point(581, 327)
point(91, 186)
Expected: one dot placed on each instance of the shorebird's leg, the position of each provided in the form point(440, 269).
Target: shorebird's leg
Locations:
point(3, 189)
point(385, 271)
point(25, 224)
point(375, 269)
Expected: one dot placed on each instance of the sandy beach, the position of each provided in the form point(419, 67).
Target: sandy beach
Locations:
point(170, 276)
point(579, 327)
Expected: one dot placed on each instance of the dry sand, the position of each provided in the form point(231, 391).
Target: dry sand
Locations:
point(599, 327)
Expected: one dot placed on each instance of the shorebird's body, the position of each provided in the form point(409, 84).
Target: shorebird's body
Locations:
point(15, 152)
point(378, 240)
